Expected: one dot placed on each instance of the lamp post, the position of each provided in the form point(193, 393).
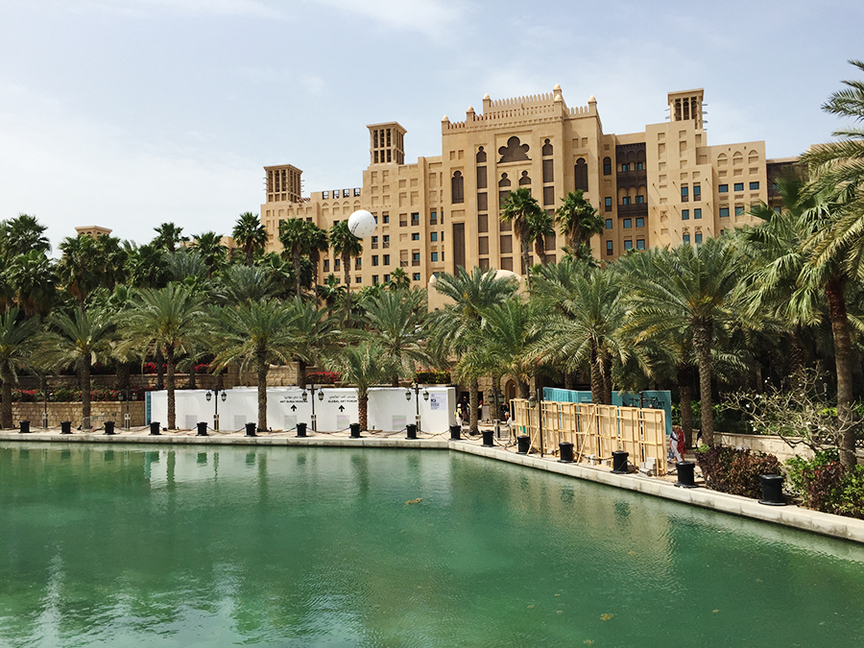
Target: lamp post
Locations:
point(127, 418)
point(416, 389)
point(223, 396)
point(311, 389)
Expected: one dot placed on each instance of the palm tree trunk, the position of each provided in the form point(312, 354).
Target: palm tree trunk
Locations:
point(346, 269)
point(539, 250)
point(843, 354)
point(363, 409)
point(686, 398)
point(170, 386)
point(263, 368)
point(597, 384)
point(607, 377)
point(702, 342)
point(6, 412)
point(526, 252)
point(473, 403)
point(160, 370)
point(296, 258)
point(193, 380)
point(85, 391)
point(524, 392)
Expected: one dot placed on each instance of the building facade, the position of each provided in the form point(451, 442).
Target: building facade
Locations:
point(662, 186)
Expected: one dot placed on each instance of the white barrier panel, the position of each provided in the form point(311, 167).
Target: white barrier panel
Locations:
point(389, 409)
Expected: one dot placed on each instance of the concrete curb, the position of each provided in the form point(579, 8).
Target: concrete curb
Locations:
point(790, 516)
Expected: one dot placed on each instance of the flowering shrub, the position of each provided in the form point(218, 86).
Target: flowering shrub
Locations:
point(736, 471)
point(825, 485)
point(65, 395)
point(322, 377)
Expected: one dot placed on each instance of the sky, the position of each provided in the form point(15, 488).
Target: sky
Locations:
point(132, 113)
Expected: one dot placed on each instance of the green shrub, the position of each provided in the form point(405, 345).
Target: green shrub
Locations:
point(823, 484)
point(432, 377)
point(736, 470)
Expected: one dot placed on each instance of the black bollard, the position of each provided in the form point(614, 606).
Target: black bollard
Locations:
point(65, 427)
point(202, 428)
point(487, 438)
point(455, 432)
point(772, 490)
point(109, 428)
point(355, 430)
point(154, 428)
point(524, 443)
point(411, 431)
point(685, 474)
point(566, 452)
point(301, 430)
point(250, 430)
point(24, 427)
point(619, 462)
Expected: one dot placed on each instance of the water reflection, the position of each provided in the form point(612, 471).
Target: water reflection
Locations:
point(376, 548)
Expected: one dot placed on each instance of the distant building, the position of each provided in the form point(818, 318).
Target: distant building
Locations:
point(662, 186)
point(93, 231)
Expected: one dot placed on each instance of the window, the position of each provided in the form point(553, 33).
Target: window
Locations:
point(608, 224)
point(415, 257)
point(442, 236)
point(433, 236)
point(581, 175)
point(698, 237)
point(376, 219)
point(326, 265)
point(724, 212)
point(724, 188)
point(607, 166)
point(739, 210)
point(625, 200)
point(357, 262)
point(386, 241)
point(640, 222)
point(416, 276)
point(628, 223)
point(374, 280)
point(640, 200)
point(697, 214)
point(625, 167)
point(415, 218)
point(385, 218)
point(337, 264)
point(697, 192)
point(386, 260)
point(358, 280)
point(628, 244)
point(754, 186)
point(457, 188)
point(685, 214)
point(433, 218)
point(685, 193)
point(640, 244)
point(739, 186)
point(386, 278)
point(686, 239)
point(608, 247)
point(640, 166)
point(434, 256)
point(607, 203)
point(374, 259)
point(415, 236)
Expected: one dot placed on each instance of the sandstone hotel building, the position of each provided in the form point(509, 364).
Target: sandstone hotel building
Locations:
point(663, 186)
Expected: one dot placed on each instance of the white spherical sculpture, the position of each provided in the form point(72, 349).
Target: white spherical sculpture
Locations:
point(361, 223)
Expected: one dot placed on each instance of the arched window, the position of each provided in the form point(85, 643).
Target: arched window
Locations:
point(525, 179)
point(457, 187)
point(481, 155)
point(607, 166)
point(504, 181)
point(547, 148)
point(581, 173)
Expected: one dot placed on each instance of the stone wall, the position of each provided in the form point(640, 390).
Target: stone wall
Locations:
point(100, 411)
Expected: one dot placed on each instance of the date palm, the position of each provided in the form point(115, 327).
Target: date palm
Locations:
point(293, 234)
point(579, 221)
point(346, 245)
point(213, 253)
point(21, 235)
point(255, 335)
point(80, 339)
point(17, 335)
point(360, 365)
point(31, 280)
point(167, 320)
point(521, 209)
point(168, 237)
point(250, 235)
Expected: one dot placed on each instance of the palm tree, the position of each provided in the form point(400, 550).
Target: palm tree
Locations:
point(346, 245)
point(256, 334)
point(689, 294)
point(242, 284)
point(453, 326)
point(579, 221)
point(293, 236)
point(360, 365)
point(32, 282)
point(250, 235)
point(168, 236)
point(399, 280)
point(316, 243)
point(78, 269)
point(21, 235)
point(396, 319)
point(16, 344)
point(583, 327)
point(80, 339)
point(835, 246)
point(520, 209)
point(146, 266)
point(314, 334)
point(539, 227)
point(213, 253)
point(332, 293)
point(168, 320)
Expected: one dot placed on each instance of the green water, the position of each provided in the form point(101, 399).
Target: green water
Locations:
point(317, 547)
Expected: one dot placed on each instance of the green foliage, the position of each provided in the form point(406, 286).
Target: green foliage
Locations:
point(736, 470)
point(824, 484)
point(433, 377)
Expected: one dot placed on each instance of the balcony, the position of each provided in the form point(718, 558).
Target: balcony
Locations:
point(639, 209)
